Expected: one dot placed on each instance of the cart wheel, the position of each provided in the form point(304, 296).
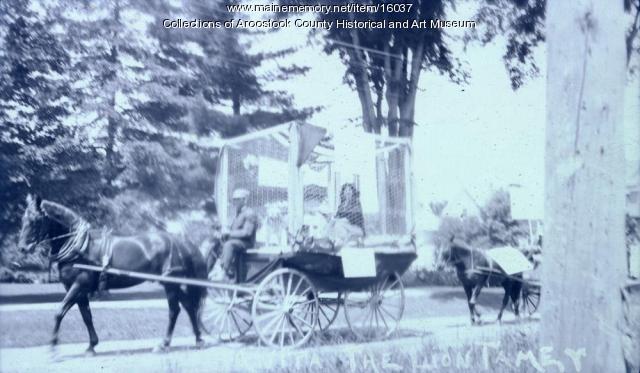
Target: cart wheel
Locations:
point(329, 305)
point(280, 310)
point(226, 314)
point(376, 312)
point(530, 298)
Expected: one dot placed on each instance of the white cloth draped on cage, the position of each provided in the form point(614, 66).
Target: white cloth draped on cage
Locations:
point(345, 186)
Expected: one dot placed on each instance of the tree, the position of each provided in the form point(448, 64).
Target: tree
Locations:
point(384, 65)
point(584, 266)
point(522, 23)
point(225, 69)
point(37, 149)
point(494, 227)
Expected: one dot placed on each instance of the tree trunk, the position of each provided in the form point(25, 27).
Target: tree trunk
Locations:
point(584, 267)
point(235, 101)
point(112, 130)
point(112, 120)
point(362, 83)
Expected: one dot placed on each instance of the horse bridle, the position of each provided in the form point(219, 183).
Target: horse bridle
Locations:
point(458, 260)
point(71, 233)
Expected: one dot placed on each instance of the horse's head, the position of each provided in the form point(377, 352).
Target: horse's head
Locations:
point(451, 252)
point(443, 256)
point(34, 223)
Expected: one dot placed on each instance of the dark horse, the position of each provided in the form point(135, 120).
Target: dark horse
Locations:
point(71, 242)
point(474, 270)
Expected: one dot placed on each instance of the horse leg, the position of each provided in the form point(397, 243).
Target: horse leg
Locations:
point(505, 299)
point(516, 290)
point(474, 297)
point(67, 302)
point(173, 294)
point(191, 304)
point(85, 311)
point(467, 291)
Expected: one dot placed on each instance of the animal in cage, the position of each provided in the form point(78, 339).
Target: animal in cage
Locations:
point(275, 224)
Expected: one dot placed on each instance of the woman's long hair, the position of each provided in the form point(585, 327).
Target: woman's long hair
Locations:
point(351, 209)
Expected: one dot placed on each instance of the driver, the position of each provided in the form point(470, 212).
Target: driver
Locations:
point(240, 237)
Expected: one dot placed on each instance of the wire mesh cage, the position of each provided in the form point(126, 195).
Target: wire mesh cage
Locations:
point(295, 178)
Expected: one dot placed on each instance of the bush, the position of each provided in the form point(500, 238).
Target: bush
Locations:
point(494, 227)
point(430, 277)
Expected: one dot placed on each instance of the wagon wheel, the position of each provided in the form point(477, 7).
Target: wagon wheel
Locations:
point(376, 312)
point(530, 298)
point(329, 305)
point(226, 314)
point(280, 310)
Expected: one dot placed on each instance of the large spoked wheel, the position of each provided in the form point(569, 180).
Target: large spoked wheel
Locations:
point(530, 298)
point(376, 312)
point(285, 309)
point(329, 305)
point(226, 314)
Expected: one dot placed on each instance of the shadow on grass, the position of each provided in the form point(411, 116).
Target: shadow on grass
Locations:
point(140, 350)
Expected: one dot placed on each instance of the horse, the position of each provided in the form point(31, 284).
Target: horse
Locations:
point(70, 242)
point(474, 270)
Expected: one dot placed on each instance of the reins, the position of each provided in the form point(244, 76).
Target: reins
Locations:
point(65, 252)
point(58, 237)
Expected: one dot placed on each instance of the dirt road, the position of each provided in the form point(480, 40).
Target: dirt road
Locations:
point(432, 314)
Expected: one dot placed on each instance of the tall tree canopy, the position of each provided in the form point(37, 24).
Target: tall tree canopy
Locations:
point(384, 65)
point(99, 104)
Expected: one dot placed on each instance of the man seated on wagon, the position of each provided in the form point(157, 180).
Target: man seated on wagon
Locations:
point(240, 237)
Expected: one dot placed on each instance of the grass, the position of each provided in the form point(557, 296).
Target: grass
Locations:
point(425, 354)
point(484, 349)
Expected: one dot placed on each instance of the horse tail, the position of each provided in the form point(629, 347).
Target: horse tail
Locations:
point(198, 271)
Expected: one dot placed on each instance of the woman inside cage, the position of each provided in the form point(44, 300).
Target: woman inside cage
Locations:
point(347, 226)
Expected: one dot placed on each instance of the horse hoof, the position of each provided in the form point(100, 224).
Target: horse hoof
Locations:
point(200, 343)
point(54, 356)
point(90, 352)
point(161, 349)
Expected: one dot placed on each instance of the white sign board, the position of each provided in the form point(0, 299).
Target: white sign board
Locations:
point(510, 259)
point(358, 262)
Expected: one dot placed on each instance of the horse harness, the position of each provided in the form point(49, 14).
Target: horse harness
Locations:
point(489, 271)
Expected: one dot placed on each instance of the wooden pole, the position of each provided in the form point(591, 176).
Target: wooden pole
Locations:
point(166, 279)
point(222, 187)
point(295, 195)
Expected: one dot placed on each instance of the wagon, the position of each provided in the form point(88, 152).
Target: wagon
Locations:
point(509, 261)
point(285, 294)
point(285, 297)
point(292, 171)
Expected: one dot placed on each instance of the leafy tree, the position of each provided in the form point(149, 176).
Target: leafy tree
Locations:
point(494, 227)
point(522, 23)
point(384, 65)
point(39, 149)
point(225, 71)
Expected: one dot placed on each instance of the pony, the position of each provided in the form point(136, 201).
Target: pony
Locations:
point(70, 241)
point(474, 270)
